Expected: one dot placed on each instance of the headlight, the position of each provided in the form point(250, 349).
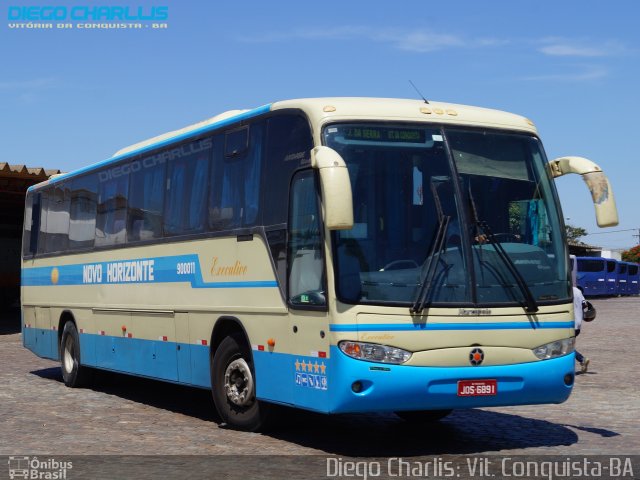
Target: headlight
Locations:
point(555, 349)
point(374, 352)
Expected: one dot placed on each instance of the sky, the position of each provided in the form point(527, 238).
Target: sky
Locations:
point(72, 97)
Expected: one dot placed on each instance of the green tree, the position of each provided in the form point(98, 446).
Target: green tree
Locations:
point(632, 255)
point(574, 233)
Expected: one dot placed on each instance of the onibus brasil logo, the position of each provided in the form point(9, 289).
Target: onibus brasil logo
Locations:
point(34, 468)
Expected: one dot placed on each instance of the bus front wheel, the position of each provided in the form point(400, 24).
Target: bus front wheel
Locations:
point(73, 373)
point(234, 388)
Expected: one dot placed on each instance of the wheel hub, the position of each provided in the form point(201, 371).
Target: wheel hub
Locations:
point(68, 354)
point(238, 383)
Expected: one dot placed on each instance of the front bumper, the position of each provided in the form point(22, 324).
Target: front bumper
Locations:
point(398, 387)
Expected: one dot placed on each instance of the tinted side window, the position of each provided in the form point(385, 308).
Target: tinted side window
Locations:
point(112, 208)
point(42, 232)
point(289, 145)
point(590, 265)
point(187, 188)
point(306, 264)
point(82, 227)
point(57, 236)
point(27, 245)
point(146, 199)
point(235, 180)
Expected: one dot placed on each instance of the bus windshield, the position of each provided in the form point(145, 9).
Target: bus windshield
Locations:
point(452, 215)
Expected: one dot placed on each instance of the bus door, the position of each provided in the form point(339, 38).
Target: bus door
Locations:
point(307, 296)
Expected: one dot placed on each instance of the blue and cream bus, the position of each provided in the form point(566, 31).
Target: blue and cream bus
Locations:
point(335, 254)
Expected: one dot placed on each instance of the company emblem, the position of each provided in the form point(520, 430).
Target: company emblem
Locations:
point(476, 357)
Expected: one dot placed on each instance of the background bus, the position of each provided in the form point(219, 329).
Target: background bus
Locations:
point(337, 255)
point(593, 275)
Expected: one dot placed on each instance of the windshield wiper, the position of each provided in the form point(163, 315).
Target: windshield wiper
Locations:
point(433, 257)
point(531, 305)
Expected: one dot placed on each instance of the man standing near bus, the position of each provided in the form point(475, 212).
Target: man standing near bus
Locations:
point(578, 301)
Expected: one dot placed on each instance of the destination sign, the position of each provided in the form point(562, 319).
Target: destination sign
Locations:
point(384, 134)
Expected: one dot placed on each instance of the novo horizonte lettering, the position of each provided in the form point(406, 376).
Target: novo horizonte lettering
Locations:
point(120, 272)
point(85, 12)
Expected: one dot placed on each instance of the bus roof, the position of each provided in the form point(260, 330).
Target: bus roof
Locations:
point(323, 110)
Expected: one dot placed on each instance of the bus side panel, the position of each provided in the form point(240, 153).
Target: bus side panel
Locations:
point(274, 378)
point(28, 327)
point(46, 341)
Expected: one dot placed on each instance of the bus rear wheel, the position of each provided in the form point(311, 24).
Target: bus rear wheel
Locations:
point(234, 388)
point(423, 416)
point(73, 373)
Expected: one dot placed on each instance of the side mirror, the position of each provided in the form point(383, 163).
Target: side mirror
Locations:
point(597, 183)
point(337, 203)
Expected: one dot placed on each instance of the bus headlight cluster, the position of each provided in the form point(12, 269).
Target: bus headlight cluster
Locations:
point(555, 349)
point(374, 352)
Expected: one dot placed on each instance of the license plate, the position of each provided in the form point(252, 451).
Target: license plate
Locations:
point(477, 388)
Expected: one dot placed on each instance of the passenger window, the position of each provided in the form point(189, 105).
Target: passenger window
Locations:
point(82, 225)
point(187, 184)
point(29, 239)
point(42, 232)
point(288, 146)
point(306, 264)
point(146, 198)
point(57, 229)
point(235, 180)
point(112, 210)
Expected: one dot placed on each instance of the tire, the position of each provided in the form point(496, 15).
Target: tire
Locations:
point(234, 388)
point(423, 416)
point(73, 373)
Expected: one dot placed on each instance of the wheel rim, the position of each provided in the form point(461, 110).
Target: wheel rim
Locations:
point(238, 383)
point(69, 351)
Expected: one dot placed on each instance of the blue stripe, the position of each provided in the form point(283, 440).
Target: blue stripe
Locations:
point(178, 138)
point(392, 327)
point(145, 270)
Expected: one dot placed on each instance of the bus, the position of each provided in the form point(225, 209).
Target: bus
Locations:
point(593, 275)
point(335, 254)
